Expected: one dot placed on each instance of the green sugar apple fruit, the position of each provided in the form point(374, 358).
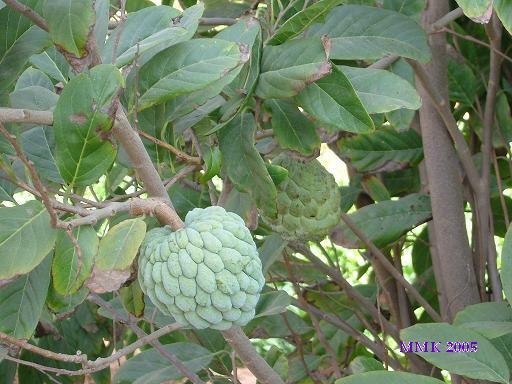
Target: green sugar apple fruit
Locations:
point(308, 201)
point(207, 274)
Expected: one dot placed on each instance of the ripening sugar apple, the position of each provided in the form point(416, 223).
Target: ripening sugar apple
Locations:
point(308, 200)
point(207, 274)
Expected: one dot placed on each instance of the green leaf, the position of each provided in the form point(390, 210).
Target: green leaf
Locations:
point(385, 222)
point(132, 298)
point(386, 377)
point(503, 9)
point(52, 63)
point(70, 24)
point(478, 10)
point(213, 162)
point(291, 128)
point(363, 364)
point(382, 91)
point(187, 67)
point(272, 302)
point(20, 40)
point(362, 33)
point(243, 163)
point(150, 30)
point(271, 250)
point(38, 144)
point(401, 119)
point(120, 245)
point(375, 188)
point(462, 83)
point(82, 122)
point(150, 367)
point(277, 173)
point(411, 8)
point(101, 8)
point(296, 24)
point(506, 265)
point(32, 76)
point(486, 364)
point(287, 69)
point(333, 101)
point(70, 270)
point(382, 151)
point(22, 301)
point(29, 225)
point(491, 320)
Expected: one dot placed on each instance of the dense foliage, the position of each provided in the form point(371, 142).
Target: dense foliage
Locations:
point(343, 170)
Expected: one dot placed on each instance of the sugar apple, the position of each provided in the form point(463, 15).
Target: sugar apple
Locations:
point(207, 274)
point(308, 201)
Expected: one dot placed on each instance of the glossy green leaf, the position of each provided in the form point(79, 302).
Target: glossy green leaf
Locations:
point(375, 188)
point(503, 9)
point(120, 245)
point(385, 222)
point(186, 68)
point(485, 364)
point(82, 122)
point(70, 23)
point(22, 301)
point(149, 31)
point(287, 69)
point(291, 128)
point(243, 163)
point(20, 40)
point(478, 10)
point(69, 268)
point(213, 162)
point(299, 22)
point(26, 237)
point(382, 91)
point(362, 33)
point(333, 101)
point(506, 265)
point(150, 367)
point(386, 377)
point(382, 151)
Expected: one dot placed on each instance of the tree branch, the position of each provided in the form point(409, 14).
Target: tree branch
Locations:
point(27, 12)
point(252, 360)
point(132, 323)
point(389, 267)
point(494, 31)
point(170, 148)
point(434, 27)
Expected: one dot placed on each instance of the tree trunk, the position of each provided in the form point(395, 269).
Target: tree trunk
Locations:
point(452, 260)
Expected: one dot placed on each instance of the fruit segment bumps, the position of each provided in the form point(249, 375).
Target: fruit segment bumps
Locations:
point(207, 274)
point(308, 201)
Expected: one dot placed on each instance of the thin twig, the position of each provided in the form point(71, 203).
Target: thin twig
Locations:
point(390, 267)
point(170, 148)
point(132, 323)
point(38, 184)
point(28, 12)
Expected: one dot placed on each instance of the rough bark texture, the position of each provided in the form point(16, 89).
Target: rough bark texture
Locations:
point(453, 258)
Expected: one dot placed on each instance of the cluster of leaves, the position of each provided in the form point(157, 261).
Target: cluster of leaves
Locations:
point(213, 105)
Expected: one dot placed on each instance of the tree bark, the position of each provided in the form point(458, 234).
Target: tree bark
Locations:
point(452, 260)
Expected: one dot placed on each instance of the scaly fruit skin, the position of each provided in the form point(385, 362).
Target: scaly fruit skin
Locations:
point(308, 201)
point(207, 274)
